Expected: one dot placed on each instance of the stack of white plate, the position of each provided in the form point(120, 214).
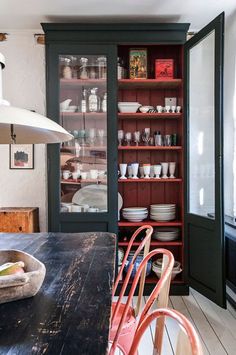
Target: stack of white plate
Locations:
point(163, 212)
point(166, 234)
point(135, 214)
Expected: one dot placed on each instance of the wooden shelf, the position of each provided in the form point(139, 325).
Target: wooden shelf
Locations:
point(149, 180)
point(148, 147)
point(148, 116)
point(151, 223)
point(174, 243)
point(90, 115)
point(149, 83)
point(79, 181)
point(75, 83)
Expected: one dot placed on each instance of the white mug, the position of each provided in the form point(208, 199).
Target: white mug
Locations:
point(76, 208)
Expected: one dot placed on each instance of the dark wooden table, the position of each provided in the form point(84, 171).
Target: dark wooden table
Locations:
point(71, 313)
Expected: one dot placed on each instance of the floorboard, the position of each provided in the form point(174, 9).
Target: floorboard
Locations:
point(216, 326)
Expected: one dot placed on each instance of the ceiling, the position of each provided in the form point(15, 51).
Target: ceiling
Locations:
point(28, 14)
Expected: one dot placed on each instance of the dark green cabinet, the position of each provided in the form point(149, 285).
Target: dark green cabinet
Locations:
point(82, 67)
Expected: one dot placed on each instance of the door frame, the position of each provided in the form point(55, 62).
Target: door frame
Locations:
point(216, 25)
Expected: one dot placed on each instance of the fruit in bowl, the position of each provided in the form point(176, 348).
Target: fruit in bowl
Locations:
point(12, 268)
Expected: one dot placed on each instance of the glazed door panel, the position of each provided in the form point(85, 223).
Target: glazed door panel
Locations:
point(204, 215)
point(82, 172)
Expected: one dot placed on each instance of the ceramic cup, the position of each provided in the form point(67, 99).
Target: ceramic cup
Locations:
point(134, 167)
point(157, 171)
point(173, 109)
point(164, 167)
point(159, 108)
point(167, 109)
point(178, 109)
point(141, 172)
point(172, 166)
point(76, 208)
point(75, 175)
point(66, 174)
point(93, 209)
point(146, 170)
point(123, 168)
point(152, 172)
point(83, 175)
point(130, 172)
point(93, 174)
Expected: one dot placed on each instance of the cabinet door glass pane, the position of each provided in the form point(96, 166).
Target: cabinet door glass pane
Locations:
point(83, 112)
point(201, 128)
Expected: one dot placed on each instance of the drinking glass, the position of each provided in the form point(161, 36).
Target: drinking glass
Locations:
point(100, 136)
point(128, 137)
point(120, 136)
point(137, 137)
point(146, 136)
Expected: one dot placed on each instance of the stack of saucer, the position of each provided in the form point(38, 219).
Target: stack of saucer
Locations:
point(166, 234)
point(135, 214)
point(163, 212)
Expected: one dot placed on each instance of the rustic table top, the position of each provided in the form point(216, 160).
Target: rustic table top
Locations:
point(71, 313)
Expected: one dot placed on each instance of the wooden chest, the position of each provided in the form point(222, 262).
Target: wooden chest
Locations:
point(19, 220)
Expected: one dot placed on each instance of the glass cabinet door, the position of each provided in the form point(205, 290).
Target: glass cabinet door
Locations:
point(83, 112)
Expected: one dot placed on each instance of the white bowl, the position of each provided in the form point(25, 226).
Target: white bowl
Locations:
point(145, 109)
point(128, 107)
point(157, 271)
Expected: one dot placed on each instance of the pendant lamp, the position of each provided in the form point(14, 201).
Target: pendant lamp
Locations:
point(22, 126)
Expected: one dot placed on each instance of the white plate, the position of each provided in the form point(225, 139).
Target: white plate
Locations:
point(164, 205)
point(134, 209)
point(94, 195)
point(165, 239)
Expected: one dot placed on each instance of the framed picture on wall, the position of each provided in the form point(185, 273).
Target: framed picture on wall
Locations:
point(21, 156)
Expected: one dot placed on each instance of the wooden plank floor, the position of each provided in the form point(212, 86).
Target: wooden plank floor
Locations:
point(215, 326)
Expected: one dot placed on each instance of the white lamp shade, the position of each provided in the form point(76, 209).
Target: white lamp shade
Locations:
point(29, 127)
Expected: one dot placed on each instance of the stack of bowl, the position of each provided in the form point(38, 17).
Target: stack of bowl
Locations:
point(137, 262)
point(135, 214)
point(157, 265)
point(166, 234)
point(163, 212)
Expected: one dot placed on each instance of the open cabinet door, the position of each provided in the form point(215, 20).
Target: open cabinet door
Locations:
point(204, 212)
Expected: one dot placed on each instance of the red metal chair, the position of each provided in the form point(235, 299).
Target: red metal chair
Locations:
point(124, 319)
point(188, 342)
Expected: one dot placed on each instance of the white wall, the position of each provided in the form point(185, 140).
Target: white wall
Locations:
point(230, 116)
point(24, 86)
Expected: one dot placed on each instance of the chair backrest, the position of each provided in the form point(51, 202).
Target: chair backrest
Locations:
point(145, 244)
point(188, 342)
point(162, 285)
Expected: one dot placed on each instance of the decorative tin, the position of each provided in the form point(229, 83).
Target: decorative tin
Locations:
point(138, 63)
point(164, 68)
